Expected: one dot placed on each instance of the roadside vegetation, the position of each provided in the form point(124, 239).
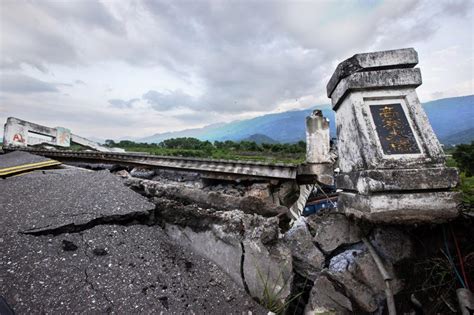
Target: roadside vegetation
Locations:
point(462, 157)
point(292, 153)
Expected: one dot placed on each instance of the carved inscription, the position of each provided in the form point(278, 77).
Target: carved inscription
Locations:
point(393, 129)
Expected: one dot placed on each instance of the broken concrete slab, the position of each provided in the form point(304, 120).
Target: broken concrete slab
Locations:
point(109, 263)
point(141, 172)
point(207, 198)
point(114, 269)
point(355, 270)
point(246, 246)
point(308, 260)
point(341, 269)
point(17, 158)
point(366, 271)
point(332, 230)
point(351, 273)
point(392, 244)
point(32, 204)
point(326, 298)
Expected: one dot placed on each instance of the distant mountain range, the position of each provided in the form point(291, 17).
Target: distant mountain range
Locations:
point(281, 127)
point(259, 139)
point(452, 120)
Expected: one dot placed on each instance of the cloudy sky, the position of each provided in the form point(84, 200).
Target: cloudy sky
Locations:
point(112, 69)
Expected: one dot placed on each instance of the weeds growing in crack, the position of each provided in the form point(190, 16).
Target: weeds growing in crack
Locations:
point(272, 298)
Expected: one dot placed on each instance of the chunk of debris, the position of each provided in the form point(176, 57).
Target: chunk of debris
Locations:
point(333, 230)
point(308, 260)
point(325, 298)
point(99, 251)
point(69, 246)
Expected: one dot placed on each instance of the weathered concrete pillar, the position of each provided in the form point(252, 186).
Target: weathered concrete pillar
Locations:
point(317, 138)
point(318, 167)
point(392, 165)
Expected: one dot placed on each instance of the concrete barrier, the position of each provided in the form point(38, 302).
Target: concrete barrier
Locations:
point(21, 134)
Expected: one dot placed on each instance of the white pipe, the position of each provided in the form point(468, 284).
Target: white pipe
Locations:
point(386, 276)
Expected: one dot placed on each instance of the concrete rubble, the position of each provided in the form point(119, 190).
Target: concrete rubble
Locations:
point(324, 249)
point(350, 273)
point(246, 246)
point(333, 230)
point(255, 199)
point(308, 259)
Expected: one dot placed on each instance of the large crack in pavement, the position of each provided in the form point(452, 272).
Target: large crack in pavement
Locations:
point(143, 218)
point(82, 242)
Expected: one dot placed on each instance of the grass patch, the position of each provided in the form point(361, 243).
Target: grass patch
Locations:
point(272, 298)
point(289, 158)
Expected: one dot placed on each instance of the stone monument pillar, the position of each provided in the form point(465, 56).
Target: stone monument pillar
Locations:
point(392, 165)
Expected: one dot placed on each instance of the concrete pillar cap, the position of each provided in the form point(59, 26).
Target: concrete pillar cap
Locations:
point(380, 60)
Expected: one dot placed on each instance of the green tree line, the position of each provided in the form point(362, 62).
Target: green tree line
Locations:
point(189, 143)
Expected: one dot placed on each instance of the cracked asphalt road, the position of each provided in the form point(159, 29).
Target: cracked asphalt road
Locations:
point(109, 268)
point(44, 201)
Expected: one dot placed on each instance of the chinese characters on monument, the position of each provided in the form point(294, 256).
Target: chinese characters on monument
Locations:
point(393, 130)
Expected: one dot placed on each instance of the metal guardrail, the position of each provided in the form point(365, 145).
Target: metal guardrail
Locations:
point(247, 168)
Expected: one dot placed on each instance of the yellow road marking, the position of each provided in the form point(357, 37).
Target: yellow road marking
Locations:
point(26, 167)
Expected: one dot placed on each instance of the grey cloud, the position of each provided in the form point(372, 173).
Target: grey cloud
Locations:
point(254, 65)
point(459, 8)
point(247, 56)
point(197, 117)
point(79, 82)
point(123, 103)
point(167, 101)
point(87, 13)
point(20, 84)
point(43, 33)
point(245, 66)
point(25, 41)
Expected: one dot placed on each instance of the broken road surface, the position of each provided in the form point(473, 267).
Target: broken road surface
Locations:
point(76, 241)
